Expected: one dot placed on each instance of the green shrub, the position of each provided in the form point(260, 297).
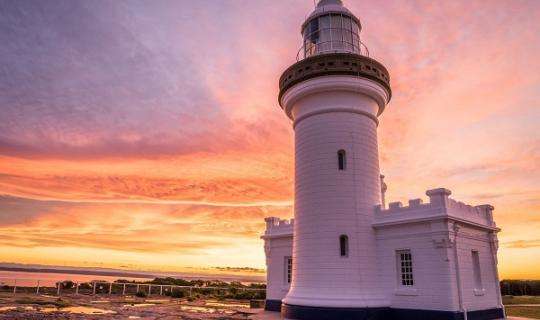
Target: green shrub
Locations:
point(177, 294)
point(68, 284)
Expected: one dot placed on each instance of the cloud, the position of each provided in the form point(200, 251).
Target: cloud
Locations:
point(523, 244)
point(130, 227)
point(159, 120)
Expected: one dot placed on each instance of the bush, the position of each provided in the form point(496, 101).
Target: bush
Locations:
point(68, 284)
point(141, 294)
point(520, 287)
point(178, 294)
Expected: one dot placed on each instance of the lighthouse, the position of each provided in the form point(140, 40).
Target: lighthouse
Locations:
point(347, 254)
point(334, 95)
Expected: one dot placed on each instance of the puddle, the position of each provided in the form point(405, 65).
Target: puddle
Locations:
point(7, 308)
point(202, 309)
point(226, 305)
point(140, 305)
point(77, 310)
point(3, 309)
point(157, 300)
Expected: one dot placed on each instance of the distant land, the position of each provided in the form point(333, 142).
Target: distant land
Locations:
point(217, 273)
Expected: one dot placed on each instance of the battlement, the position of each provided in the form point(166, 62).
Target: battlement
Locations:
point(278, 227)
point(439, 204)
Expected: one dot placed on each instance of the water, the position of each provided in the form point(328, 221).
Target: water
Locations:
point(50, 279)
point(203, 309)
point(226, 305)
point(77, 310)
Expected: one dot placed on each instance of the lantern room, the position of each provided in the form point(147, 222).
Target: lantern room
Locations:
point(331, 28)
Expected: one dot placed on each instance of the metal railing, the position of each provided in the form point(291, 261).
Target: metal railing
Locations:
point(96, 287)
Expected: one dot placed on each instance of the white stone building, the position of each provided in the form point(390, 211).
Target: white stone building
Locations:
point(345, 255)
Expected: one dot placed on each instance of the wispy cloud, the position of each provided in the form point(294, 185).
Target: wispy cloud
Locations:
point(523, 244)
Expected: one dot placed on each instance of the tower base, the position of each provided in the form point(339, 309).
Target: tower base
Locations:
point(272, 305)
point(292, 312)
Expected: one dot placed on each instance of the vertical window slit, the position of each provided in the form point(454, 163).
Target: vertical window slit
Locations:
point(344, 245)
point(342, 160)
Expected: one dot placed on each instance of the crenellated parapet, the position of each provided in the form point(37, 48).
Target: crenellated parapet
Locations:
point(276, 227)
point(440, 205)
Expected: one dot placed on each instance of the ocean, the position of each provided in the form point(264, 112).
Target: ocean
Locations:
point(50, 279)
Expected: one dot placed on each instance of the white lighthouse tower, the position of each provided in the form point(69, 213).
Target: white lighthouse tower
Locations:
point(334, 95)
point(347, 255)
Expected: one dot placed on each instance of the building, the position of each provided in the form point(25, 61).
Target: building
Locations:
point(345, 255)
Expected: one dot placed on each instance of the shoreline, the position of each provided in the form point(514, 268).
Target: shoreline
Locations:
point(81, 272)
point(120, 274)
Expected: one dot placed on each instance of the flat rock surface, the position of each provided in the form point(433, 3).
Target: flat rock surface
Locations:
point(41, 307)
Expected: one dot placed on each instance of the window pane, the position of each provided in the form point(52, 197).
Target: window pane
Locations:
point(405, 267)
point(336, 21)
point(346, 23)
point(314, 31)
point(288, 269)
point(324, 22)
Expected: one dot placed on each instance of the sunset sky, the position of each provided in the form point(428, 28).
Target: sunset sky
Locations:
point(147, 134)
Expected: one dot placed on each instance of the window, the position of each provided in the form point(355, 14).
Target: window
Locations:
point(476, 270)
point(404, 264)
point(341, 160)
point(343, 245)
point(288, 269)
point(314, 31)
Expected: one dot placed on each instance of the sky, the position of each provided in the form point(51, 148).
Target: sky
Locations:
point(147, 134)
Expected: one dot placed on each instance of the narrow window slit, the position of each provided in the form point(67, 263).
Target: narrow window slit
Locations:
point(344, 245)
point(341, 160)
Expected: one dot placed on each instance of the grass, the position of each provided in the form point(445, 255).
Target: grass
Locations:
point(510, 300)
point(526, 312)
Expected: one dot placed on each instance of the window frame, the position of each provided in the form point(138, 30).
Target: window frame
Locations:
point(404, 268)
point(288, 265)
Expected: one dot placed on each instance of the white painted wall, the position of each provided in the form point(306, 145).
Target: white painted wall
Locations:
point(335, 113)
point(277, 286)
point(441, 235)
point(469, 239)
point(278, 241)
point(433, 277)
point(429, 231)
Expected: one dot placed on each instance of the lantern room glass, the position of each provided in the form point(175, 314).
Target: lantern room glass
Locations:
point(331, 33)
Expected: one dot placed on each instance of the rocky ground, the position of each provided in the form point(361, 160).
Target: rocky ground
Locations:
point(41, 307)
